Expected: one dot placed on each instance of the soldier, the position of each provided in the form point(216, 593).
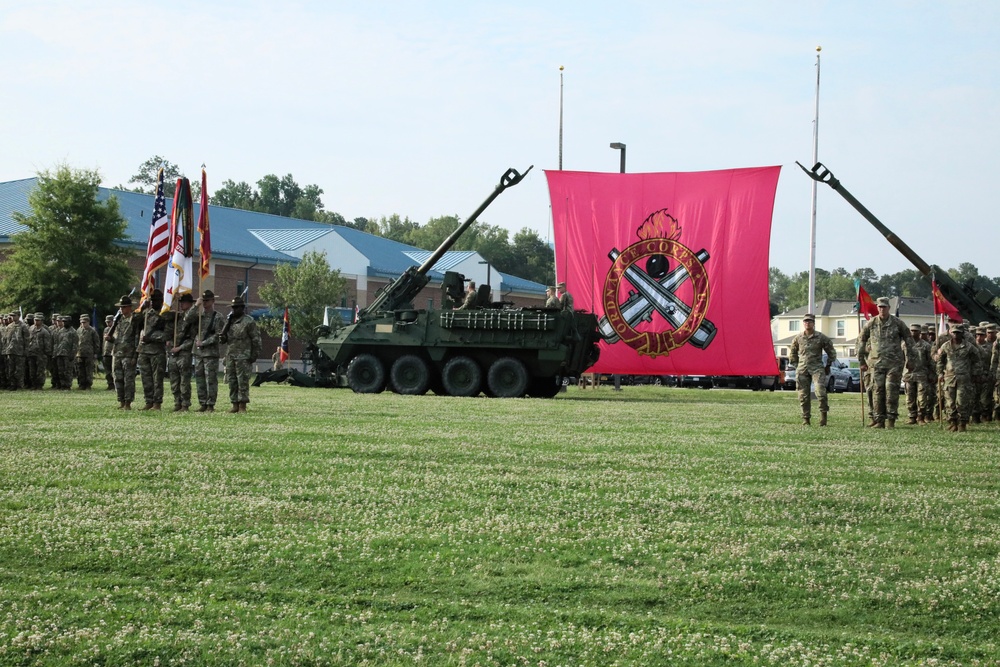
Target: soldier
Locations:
point(984, 402)
point(180, 339)
point(470, 297)
point(994, 370)
point(153, 352)
point(17, 348)
point(243, 339)
point(109, 359)
point(63, 354)
point(276, 363)
point(550, 298)
point(807, 356)
point(88, 347)
point(958, 361)
point(887, 335)
point(918, 367)
point(565, 298)
point(4, 321)
point(929, 338)
point(124, 333)
point(40, 349)
point(206, 349)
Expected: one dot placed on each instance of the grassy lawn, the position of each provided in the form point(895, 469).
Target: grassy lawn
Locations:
point(655, 526)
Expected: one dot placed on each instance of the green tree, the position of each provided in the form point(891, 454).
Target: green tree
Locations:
point(395, 228)
point(235, 195)
point(144, 180)
point(67, 260)
point(532, 258)
point(305, 289)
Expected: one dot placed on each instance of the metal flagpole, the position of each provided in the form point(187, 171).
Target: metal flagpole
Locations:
point(555, 267)
point(861, 376)
point(812, 227)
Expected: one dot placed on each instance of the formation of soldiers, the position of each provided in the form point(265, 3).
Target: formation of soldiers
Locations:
point(33, 350)
point(157, 346)
point(954, 377)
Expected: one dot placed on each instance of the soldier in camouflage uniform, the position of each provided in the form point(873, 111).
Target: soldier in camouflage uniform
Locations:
point(87, 349)
point(4, 321)
point(243, 339)
point(807, 357)
point(109, 359)
point(17, 348)
point(64, 348)
point(984, 402)
point(958, 362)
point(565, 298)
point(550, 298)
point(125, 336)
point(40, 348)
point(929, 337)
point(994, 370)
point(918, 367)
point(887, 335)
point(208, 325)
point(180, 341)
point(153, 352)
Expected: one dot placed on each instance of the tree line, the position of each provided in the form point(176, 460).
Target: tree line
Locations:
point(524, 254)
point(792, 291)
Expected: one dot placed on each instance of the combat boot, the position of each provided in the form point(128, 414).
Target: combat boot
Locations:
point(156, 406)
point(987, 418)
point(805, 421)
point(128, 405)
point(203, 408)
point(148, 406)
point(233, 410)
point(243, 406)
point(178, 407)
point(880, 424)
point(961, 427)
point(929, 418)
point(822, 419)
point(873, 423)
point(121, 405)
point(913, 420)
point(183, 408)
point(952, 425)
point(975, 419)
point(211, 408)
point(890, 423)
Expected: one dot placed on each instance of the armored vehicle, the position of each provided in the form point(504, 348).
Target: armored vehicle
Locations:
point(493, 348)
point(974, 305)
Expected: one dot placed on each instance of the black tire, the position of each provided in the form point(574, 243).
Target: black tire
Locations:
point(507, 378)
point(461, 377)
point(850, 385)
point(366, 374)
point(543, 387)
point(409, 375)
point(831, 386)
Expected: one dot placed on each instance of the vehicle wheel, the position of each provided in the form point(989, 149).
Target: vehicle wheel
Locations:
point(543, 387)
point(850, 385)
point(366, 374)
point(831, 385)
point(409, 375)
point(461, 377)
point(507, 378)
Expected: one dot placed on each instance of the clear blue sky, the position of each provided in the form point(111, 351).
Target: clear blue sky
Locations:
point(416, 108)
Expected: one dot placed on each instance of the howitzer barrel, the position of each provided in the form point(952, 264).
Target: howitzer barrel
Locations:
point(821, 174)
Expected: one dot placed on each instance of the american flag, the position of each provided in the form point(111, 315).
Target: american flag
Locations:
point(158, 250)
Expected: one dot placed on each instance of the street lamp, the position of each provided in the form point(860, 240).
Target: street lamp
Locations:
point(619, 146)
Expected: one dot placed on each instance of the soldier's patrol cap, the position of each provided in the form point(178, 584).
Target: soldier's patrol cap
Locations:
point(109, 318)
point(929, 328)
point(39, 316)
point(916, 327)
point(808, 317)
point(238, 302)
point(126, 300)
point(883, 301)
point(562, 284)
point(207, 295)
point(980, 331)
point(959, 329)
point(186, 298)
point(992, 326)
point(85, 316)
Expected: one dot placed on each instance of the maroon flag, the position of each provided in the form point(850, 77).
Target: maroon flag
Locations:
point(866, 305)
point(205, 248)
point(286, 334)
point(942, 306)
point(675, 266)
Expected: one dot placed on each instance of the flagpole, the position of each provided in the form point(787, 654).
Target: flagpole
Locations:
point(812, 225)
point(861, 375)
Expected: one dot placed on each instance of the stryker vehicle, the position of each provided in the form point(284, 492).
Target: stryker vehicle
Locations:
point(493, 348)
point(974, 305)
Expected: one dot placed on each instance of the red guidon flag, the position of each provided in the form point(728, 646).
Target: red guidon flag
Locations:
point(941, 305)
point(866, 305)
point(675, 266)
point(205, 246)
point(286, 334)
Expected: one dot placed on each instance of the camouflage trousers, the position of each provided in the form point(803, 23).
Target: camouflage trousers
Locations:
point(238, 378)
point(152, 368)
point(180, 370)
point(85, 372)
point(109, 370)
point(124, 370)
point(206, 375)
point(15, 371)
point(62, 377)
point(804, 378)
point(958, 398)
point(984, 398)
point(918, 395)
point(34, 376)
point(885, 393)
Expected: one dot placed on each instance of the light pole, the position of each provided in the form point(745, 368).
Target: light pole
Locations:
point(488, 267)
point(619, 146)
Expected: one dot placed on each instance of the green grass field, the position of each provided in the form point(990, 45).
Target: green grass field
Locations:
point(655, 526)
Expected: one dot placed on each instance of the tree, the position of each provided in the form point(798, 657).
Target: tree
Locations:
point(532, 258)
point(67, 260)
point(144, 180)
point(235, 195)
point(277, 196)
point(305, 289)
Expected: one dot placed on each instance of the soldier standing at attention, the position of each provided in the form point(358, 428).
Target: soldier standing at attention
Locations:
point(985, 340)
point(153, 352)
point(807, 357)
point(932, 388)
point(109, 360)
point(243, 339)
point(550, 298)
point(887, 335)
point(565, 298)
point(17, 348)
point(125, 338)
point(918, 357)
point(180, 334)
point(994, 370)
point(88, 347)
point(63, 354)
point(3, 350)
point(958, 362)
point(208, 324)
point(40, 346)
point(276, 363)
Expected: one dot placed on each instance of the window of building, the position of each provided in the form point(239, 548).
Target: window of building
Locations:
point(784, 352)
point(793, 325)
point(841, 328)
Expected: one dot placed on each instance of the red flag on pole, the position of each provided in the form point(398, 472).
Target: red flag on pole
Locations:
point(286, 333)
point(205, 249)
point(866, 305)
point(942, 306)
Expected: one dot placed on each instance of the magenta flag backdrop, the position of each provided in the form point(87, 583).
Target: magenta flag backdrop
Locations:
point(675, 266)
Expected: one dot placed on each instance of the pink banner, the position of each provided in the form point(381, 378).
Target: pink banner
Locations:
point(675, 266)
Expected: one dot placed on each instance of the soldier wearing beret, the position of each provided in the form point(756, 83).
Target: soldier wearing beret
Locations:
point(88, 347)
point(958, 362)
point(208, 326)
point(810, 368)
point(886, 335)
point(243, 339)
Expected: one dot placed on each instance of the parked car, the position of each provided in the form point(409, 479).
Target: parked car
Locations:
point(789, 382)
point(703, 381)
point(840, 377)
